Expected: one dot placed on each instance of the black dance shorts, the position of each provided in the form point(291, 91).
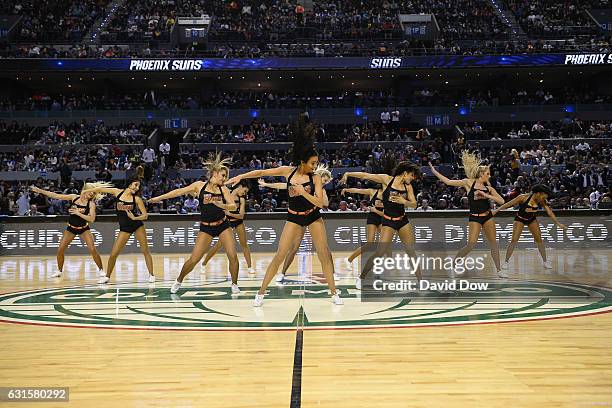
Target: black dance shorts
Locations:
point(215, 230)
point(77, 230)
point(374, 219)
point(395, 224)
point(234, 222)
point(130, 227)
point(525, 221)
point(481, 219)
point(304, 220)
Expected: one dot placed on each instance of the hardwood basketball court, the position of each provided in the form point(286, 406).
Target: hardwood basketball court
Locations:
point(131, 344)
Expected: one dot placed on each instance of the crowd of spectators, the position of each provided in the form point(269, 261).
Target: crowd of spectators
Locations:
point(471, 98)
point(225, 100)
point(568, 127)
point(460, 18)
point(556, 18)
point(91, 132)
point(575, 172)
point(54, 20)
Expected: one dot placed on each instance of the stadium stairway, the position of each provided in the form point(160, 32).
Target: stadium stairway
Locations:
point(93, 35)
point(507, 17)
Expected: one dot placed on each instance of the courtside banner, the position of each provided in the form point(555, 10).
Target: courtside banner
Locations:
point(244, 64)
point(177, 234)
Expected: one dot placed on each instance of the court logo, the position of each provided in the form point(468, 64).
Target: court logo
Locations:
point(213, 307)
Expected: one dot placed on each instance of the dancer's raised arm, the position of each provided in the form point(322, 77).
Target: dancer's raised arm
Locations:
point(51, 194)
point(446, 180)
point(282, 171)
point(192, 189)
point(376, 178)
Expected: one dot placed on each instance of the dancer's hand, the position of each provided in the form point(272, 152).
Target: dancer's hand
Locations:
point(398, 199)
point(298, 189)
point(233, 181)
point(130, 215)
point(35, 189)
point(479, 195)
point(74, 211)
point(562, 226)
point(344, 178)
point(343, 192)
point(494, 212)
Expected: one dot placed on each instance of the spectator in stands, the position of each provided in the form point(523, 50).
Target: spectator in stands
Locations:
point(191, 204)
point(148, 157)
point(523, 133)
point(424, 206)
point(33, 211)
point(164, 153)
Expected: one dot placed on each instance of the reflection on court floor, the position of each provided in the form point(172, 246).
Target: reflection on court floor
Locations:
point(131, 267)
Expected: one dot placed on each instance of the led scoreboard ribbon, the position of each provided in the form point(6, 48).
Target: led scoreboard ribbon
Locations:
point(246, 64)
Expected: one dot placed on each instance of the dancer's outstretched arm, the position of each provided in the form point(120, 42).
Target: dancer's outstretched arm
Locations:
point(282, 171)
point(446, 180)
point(55, 196)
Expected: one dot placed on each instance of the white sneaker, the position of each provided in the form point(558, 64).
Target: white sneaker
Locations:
point(175, 287)
point(101, 273)
point(348, 264)
point(203, 269)
point(280, 277)
point(258, 300)
point(58, 274)
point(251, 271)
point(235, 289)
point(103, 280)
point(548, 264)
point(505, 265)
point(502, 274)
point(336, 300)
point(358, 283)
point(151, 278)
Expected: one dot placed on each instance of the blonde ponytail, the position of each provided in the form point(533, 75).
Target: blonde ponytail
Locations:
point(472, 164)
point(103, 184)
point(323, 171)
point(216, 163)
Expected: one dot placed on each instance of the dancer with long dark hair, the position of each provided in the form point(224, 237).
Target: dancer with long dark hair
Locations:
point(479, 194)
point(398, 195)
point(326, 177)
point(305, 190)
point(131, 212)
point(82, 212)
point(215, 199)
point(528, 206)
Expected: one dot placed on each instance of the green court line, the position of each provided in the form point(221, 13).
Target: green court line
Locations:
point(403, 302)
point(207, 309)
point(187, 319)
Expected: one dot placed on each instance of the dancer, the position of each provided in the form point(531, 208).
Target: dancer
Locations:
point(215, 199)
point(305, 191)
point(326, 177)
point(479, 193)
point(82, 212)
point(374, 220)
point(398, 195)
point(128, 204)
point(528, 207)
point(236, 218)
